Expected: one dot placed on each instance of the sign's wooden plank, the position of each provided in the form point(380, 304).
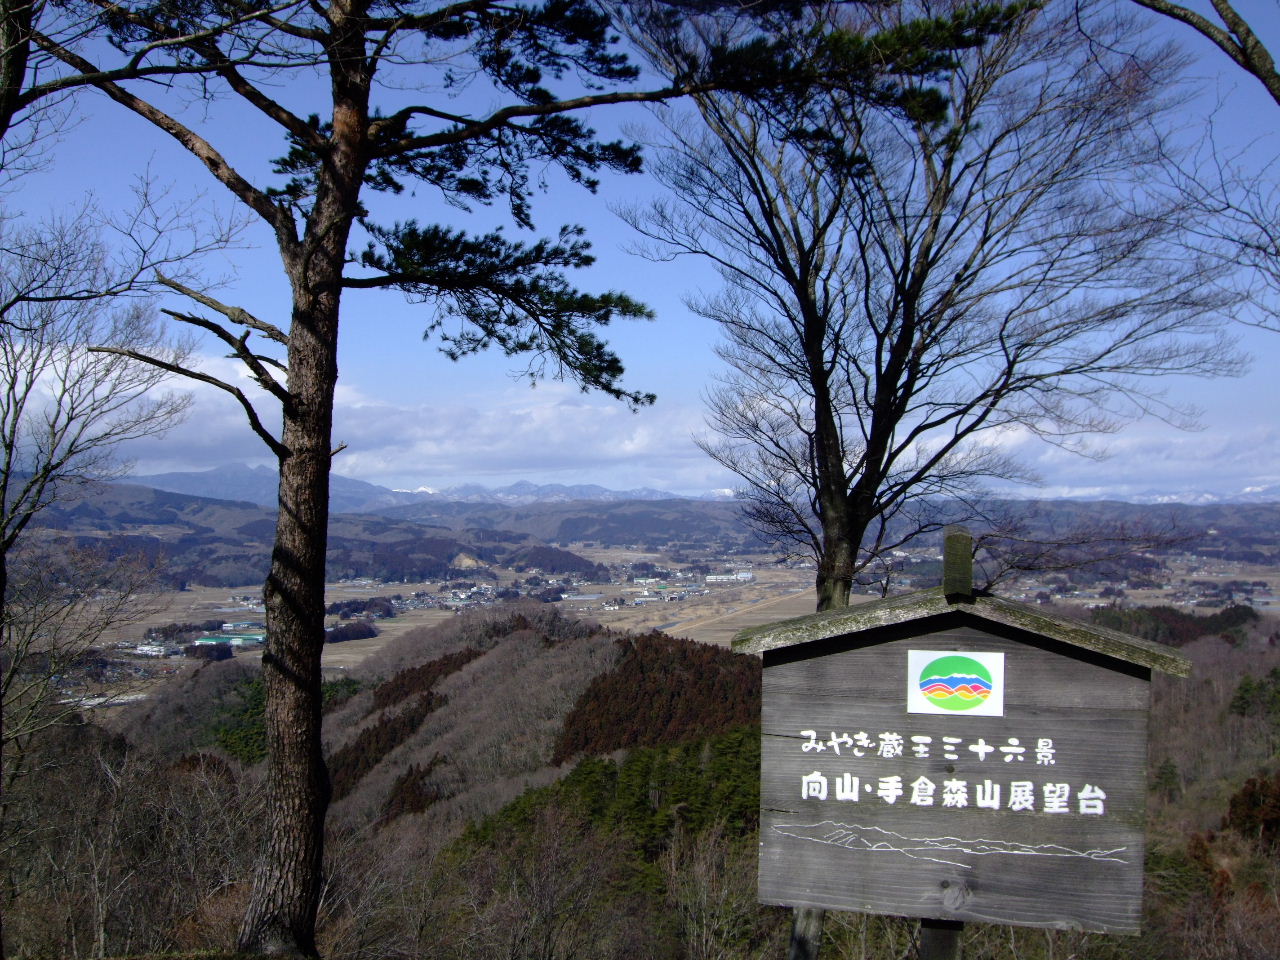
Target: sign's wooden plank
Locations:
point(1033, 816)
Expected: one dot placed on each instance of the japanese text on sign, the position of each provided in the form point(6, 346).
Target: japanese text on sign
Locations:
point(891, 744)
point(987, 794)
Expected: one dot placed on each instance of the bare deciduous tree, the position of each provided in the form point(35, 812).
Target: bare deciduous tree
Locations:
point(1234, 197)
point(710, 884)
point(1235, 193)
point(535, 896)
point(141, 856)
point(62, 603)
point(64, 411)
point(902, 296)
point(68, 285)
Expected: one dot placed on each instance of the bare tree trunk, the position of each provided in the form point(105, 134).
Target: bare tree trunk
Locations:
point(15, 51)
point(839, 550)
point(835, 575)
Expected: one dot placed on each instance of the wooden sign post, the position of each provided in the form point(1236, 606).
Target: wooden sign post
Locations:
point(955, 757)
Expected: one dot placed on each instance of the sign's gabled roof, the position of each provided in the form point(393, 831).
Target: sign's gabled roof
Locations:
point(909, 607)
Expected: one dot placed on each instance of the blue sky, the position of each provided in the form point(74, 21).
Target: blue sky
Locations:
point(411, 418)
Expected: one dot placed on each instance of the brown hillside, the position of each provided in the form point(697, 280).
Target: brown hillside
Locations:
point(662, 690)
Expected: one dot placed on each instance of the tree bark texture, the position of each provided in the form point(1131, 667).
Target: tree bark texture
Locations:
point(286, 889)
point(16, 18)
point(1238, 40)
point(835, 573)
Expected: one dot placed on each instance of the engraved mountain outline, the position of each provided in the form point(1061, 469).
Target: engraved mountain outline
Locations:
point(878, 839)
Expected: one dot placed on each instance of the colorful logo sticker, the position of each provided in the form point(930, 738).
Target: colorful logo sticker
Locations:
point(955, 683)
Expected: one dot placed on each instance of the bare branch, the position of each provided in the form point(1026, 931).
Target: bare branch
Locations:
point(240, 351)
point(278, 448)
point(1237, 41)
point(237, 315)
point(276, 216)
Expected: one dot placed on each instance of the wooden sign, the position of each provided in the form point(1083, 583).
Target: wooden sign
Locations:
point(955, 758)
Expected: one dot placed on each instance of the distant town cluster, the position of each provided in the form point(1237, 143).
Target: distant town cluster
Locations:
point(617, 584)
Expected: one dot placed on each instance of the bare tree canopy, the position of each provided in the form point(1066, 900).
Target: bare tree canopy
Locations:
point(72, 300)
point(1234, 191)
point(1235, 200)
point(62, 603)
point(904, 295)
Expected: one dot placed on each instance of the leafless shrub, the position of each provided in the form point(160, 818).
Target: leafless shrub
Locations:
point(114, 852)
point(711, 885)
point(1209, 747)
point(381, 894)
point(538, 896)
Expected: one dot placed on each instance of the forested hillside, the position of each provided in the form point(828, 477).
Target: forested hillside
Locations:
point(520, 784)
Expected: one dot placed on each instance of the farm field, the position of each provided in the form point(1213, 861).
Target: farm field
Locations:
point(774, 594)
point(715, 617)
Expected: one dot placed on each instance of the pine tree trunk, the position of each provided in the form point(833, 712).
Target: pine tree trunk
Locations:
point(286, 888)
point(281, 917)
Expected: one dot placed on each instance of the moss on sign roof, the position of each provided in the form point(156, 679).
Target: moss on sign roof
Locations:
point(931, 603)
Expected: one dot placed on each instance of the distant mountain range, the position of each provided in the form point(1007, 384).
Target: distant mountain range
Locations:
point(257, 485)
point(235, 481)
point(1192, 498)
point(524, 492)
point(227, 540)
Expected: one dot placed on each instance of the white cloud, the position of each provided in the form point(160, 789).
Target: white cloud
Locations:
point(216, 430)
point(552, 433)
point(555, 433)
